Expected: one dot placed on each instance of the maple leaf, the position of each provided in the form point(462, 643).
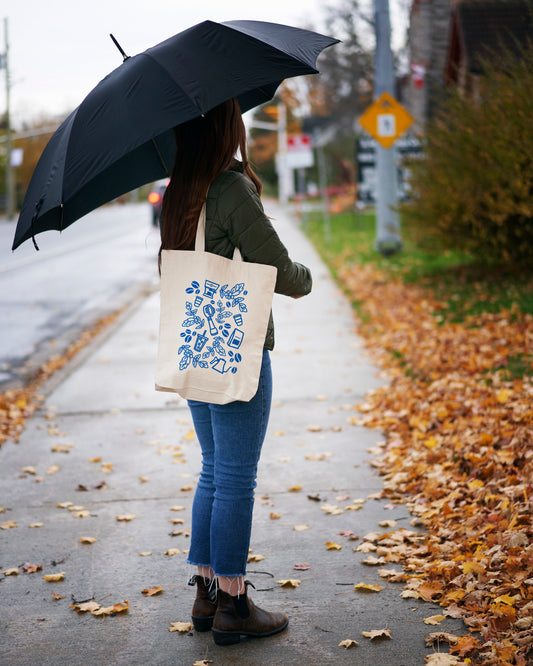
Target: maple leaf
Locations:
point(83, 513)
point(55, 578)
point(8, 525)
point(464, 645)
point(86, 607)
point(301, 527)
point(373, 561)
point(290, 582)
point(295, 488)
point(365, 587)
point(172, 551)
point(274, 515)
point(35, 525)
point(14, 571)
point(31, 568)
point(331, 545)
point(348, 643)
point(440, 636)
point(318, 456)
point(112, 610)
point(62, 448)
point(440, 659)
point(387, 523)
point(180, 627)
point(152, 591)
point(303, 566)
point(126, 517)
point(505, 599)
point(434, 619)
point(178, 508)
point(377, 634)
point(431, 590)
point(185, 489)
point(145, 553)
point(255, 558)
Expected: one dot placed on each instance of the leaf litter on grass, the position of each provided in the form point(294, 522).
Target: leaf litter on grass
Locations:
point(459, 429)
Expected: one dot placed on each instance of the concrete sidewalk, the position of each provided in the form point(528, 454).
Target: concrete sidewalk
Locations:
point(106, 409)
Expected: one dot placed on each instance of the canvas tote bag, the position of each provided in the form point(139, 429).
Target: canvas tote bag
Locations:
point(213, 321)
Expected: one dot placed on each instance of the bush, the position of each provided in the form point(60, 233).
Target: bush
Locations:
point(473, 189)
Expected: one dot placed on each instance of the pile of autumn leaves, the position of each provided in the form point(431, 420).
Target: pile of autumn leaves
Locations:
point(459, 452)
point(18, 404)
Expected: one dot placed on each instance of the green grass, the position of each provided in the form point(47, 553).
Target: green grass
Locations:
point(463, 285)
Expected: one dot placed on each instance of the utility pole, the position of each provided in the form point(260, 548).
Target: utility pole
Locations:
point(282, 168)
point(284, 173)
point(9, 171)
point(388, 239)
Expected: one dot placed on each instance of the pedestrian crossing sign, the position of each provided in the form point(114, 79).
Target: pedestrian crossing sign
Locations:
point(386, 120)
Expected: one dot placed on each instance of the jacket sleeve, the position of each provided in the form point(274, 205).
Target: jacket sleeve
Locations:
point(252, 232)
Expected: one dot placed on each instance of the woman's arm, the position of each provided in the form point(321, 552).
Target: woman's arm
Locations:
point(252, 232)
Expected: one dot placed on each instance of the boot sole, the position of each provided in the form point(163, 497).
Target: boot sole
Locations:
point(202, 623)
point(232, 637)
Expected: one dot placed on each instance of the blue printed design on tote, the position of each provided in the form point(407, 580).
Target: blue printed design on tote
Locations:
point(212, 328)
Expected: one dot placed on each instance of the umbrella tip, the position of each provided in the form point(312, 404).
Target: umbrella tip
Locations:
point(124, 56)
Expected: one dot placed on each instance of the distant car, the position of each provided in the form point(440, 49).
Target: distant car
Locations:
point(156, 199)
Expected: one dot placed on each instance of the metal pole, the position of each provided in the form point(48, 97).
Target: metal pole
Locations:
point(283, 188)
point(9, 172)
point(388, 238)
point(323, 185)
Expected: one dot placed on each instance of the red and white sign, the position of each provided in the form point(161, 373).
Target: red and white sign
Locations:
point(299, 151)
point(299, 142)
point(418, 75)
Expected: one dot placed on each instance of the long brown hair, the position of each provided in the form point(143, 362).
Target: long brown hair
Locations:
point(205, 147)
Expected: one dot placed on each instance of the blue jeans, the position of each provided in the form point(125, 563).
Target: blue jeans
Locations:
point(231, 437)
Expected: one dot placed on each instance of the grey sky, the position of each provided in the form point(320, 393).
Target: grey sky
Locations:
point(60, 49)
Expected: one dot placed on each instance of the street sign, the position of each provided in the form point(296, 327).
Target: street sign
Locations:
point(366, 159)
point(386, 120)
point(299, 151)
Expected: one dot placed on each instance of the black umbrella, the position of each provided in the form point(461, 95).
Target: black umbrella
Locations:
point(120, 137)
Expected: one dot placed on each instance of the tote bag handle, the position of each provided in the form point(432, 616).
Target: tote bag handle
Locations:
point(199, 243)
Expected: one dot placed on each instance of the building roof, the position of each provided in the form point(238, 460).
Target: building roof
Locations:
point(483, 27)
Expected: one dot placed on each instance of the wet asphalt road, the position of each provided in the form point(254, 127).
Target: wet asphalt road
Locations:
point(48, 298)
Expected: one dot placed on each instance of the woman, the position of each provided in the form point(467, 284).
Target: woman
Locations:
point(231, 435)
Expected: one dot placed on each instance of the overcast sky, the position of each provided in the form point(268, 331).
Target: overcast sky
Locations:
point(60, 49)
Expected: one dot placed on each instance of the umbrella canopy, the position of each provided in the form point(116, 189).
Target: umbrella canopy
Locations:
point(120, 137)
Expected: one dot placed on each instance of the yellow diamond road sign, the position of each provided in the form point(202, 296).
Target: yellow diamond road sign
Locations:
point(386, 120)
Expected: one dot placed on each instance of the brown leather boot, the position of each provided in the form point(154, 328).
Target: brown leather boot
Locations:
point(239, 616)
point(205, 604)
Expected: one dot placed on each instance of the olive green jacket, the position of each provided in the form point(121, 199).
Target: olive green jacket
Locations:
point(235, 217)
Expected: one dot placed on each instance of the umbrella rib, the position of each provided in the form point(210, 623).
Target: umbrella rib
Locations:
point(163, 163)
